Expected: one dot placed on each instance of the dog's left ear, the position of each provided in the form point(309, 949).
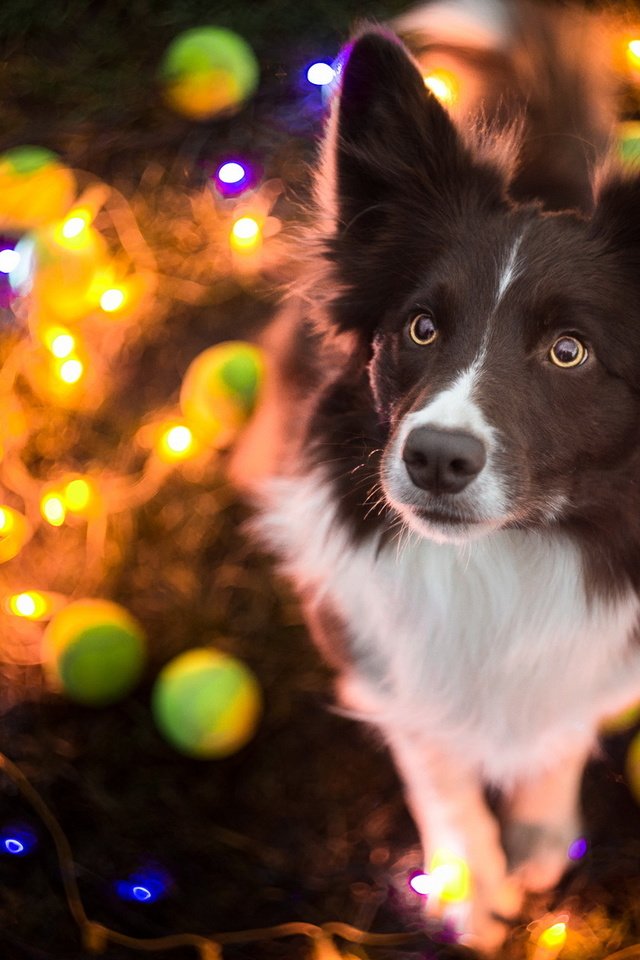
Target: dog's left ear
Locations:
point(616, 218)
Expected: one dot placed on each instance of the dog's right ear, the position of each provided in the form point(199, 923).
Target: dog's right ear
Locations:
point(394, 170)
point(389, 137)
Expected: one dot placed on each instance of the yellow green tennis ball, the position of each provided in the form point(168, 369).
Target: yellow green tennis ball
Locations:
point(35, 188)
point(208, 70)
point(629, 142)
point(206, 703)
point(633, 767)
point(220, 388)
point(95, 650)
point(619, 722)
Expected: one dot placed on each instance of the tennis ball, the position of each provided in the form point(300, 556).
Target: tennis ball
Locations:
point(95, 650)
point(220, 388)
point(633, 767)
point(35, 188)
point(629, 142)
point(619, 722)
point(208, 70)
point(206, 703)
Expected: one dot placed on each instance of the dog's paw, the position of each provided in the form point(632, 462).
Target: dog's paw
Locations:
point(477, 905)
point(538, 853)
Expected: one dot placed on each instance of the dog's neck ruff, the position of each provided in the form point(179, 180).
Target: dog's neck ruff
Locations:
point(494, 645)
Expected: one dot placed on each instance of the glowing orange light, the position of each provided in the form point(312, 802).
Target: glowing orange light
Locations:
point(112, 299)
point(31, 605)
point(15, 530)
point(73, 233)
point(245, 234)
point(73, 226)
point(450, 877)
point(78, 494)
point(633, 52)
point(61, 344)
point(176, 443)
point(7, 521)
point(71, 370)
point(554, 937)
point(53, 509)
point(443, 85)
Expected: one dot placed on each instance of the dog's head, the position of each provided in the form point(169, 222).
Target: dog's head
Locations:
point(504, 341)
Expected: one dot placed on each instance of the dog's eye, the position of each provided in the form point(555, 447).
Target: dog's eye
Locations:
point(568, 351)
point(422, 329)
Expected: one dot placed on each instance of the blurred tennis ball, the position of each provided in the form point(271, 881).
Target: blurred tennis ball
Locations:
point(206, 71)
point(633, 767)
point(619, 722)
point(35, 188)
point(220, 388)
point(96, 651)
point(206, 703)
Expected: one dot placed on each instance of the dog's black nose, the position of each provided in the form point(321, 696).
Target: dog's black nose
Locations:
point(442, 461)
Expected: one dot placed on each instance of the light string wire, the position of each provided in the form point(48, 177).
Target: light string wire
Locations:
point(96, 937)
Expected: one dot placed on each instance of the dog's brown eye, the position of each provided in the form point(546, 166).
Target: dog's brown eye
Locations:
point(568, 351)
point(422, 329)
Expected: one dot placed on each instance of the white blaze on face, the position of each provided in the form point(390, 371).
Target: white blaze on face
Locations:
point(510, 270)
point(455, 409)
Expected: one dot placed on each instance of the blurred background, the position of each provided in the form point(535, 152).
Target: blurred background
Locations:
point(157, 687)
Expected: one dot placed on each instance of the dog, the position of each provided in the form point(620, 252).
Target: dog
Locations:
point(446, 459)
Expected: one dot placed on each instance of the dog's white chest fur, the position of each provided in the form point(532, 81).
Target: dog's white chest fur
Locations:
point(493, 645)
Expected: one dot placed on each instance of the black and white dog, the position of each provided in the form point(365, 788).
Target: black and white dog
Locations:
point(447, 460)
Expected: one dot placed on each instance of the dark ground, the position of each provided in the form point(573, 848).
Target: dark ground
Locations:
point(307, 822)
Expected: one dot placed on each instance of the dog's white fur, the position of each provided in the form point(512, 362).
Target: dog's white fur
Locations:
point(452, 646)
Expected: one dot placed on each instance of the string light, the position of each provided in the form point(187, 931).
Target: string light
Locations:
point(112, 300)
point(53, 509)
point(71, 370)
point(320, 74)
point(31, 605)
point(146, 886)
point(633, 52)
point(78, 494)
point(17, 840)
point(15, 531)
point(75, 224)
point(176, 442)
point(577, 849)
point(9, 260)
point(450, 877)
point(443, 85)
point(550, 942)
point(62, 344)
point(245, 234)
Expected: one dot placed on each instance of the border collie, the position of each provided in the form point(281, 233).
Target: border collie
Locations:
point(447, 461)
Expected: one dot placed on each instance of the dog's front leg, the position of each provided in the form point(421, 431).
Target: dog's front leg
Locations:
point(447, 803)
point(543, 819)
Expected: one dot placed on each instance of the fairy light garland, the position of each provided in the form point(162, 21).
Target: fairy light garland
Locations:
point(78, 300)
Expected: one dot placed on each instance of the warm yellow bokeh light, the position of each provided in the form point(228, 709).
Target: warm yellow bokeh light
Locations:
point(71, 370)
point(62, 345)
point(245, 233)
point(78, 494)
point(53, 509)
point(450, 876)
point(15, 531)
point(176, 443)
point(7, 521)
point(29, 604)
point(633, 52)
point(554, 937)
point(111, 300)
point(443, 85)
point(75, 224)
